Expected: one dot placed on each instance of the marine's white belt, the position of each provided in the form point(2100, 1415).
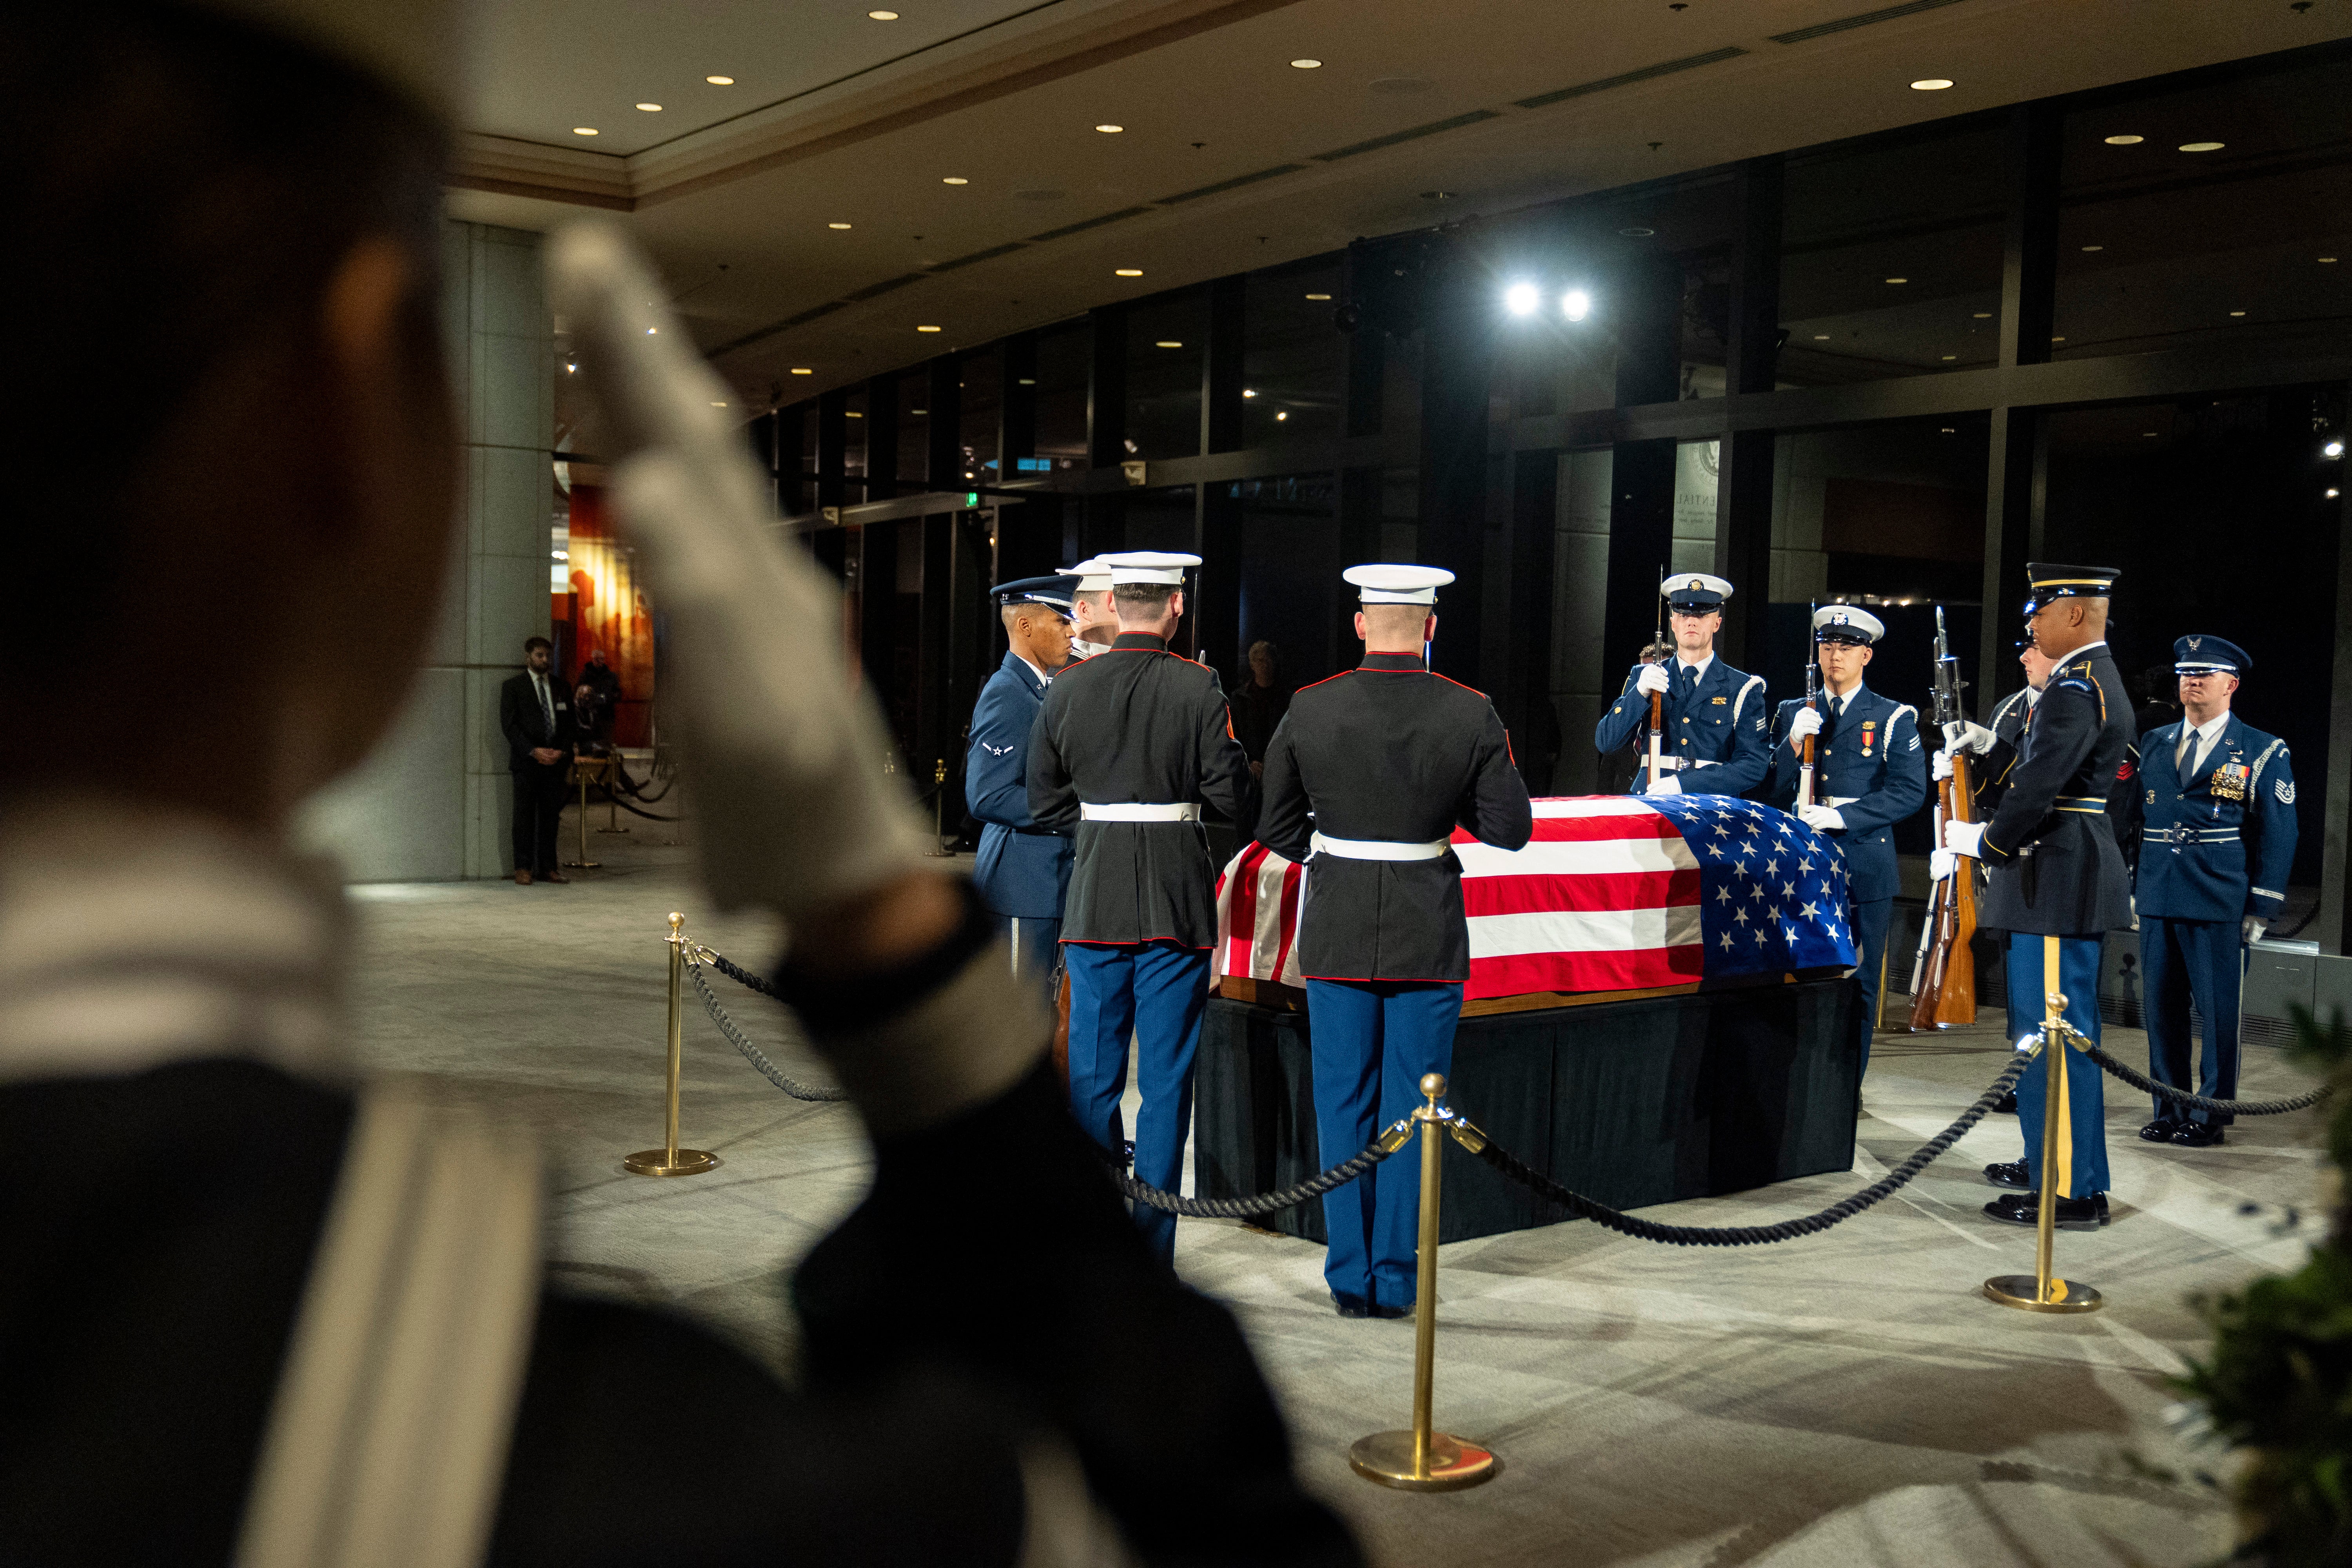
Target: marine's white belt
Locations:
point(1380, 848)
point(1131, 811)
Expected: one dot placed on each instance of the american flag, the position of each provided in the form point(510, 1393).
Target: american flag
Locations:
point(1612, 893)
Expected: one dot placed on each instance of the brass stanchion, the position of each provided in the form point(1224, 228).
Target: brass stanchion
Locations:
point(580, 772)
point(939, 811)
point(611, 796)
point(1423, 1460)
point(2041, 1291)
point(670, 1160)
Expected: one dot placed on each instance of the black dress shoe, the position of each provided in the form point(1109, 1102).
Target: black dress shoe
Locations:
point(2006, 1105)
point(2198, 1135)
point(2013, 1174)
point(1349, 1306)
point(1391, 1310)
point(2160, 1130)
point(2073, 1213)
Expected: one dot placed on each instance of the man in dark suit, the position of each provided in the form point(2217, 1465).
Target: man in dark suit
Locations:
point(535, 711)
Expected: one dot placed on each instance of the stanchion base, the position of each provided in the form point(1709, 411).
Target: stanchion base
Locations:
point(657, 1162)
point(582, 865)
point(612, 830)
point(1387, 1458)
point(2024, 1291)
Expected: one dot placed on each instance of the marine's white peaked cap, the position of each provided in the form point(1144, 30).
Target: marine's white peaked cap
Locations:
point(1156, 566)
point(417, 46)
point(1093, 575)
point(1394, 584)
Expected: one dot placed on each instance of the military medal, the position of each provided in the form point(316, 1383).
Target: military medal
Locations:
point(2229, 781)
point(1868, 736)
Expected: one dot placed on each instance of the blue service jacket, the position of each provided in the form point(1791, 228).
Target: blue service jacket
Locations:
point(2236, 811)
point(1723, 721)
point(1868, 762)
point(1023, 870)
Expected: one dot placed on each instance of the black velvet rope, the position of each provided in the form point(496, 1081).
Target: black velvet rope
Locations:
point(1390, 1141)
point(2146, 1085)
point(751, 1053)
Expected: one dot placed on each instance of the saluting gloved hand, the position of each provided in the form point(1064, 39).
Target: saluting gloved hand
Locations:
point(1821, 818)
point(1653, 680)
point(1941, 864)
point(1966, 735)
point(2252, 929)
point(1941, 768)
point(1805, 725)
point(1965, 838)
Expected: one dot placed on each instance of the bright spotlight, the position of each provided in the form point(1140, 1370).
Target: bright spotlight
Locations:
point(1521, 298)
point(2334, 448)
point(1576, 304)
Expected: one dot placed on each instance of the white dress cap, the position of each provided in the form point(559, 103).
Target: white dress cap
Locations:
point(1156, 566)
point(1093, 575)
point(417, 46)
point(1695, 590)
point(1392, 585)
point(1847, 623)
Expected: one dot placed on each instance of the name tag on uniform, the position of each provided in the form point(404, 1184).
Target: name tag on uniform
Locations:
point(2229, 781)
point(1719, 701)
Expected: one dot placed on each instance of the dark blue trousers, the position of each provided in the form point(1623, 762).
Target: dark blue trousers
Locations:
point(1154, 992)
point(2082, 1164)
point(1870, 924)
point(1037, 949)
point(1371, 1043)
point(2181, 959)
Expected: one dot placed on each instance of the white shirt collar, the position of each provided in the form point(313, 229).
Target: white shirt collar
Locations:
point(1698, 668)
point(1043, 678)
point(133, 937)
point(2209, 732)
point(1840, 704)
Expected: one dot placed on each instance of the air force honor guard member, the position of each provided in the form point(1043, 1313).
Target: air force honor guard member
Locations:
point(1365, 779)
point(1869, 773)
point(1716, 717)
point(2054, 870)
point(1022, 871)
point(1127, 747)
point(2216, 802)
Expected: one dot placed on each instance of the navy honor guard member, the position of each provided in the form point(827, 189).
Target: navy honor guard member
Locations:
point(2054, 871)
point(1022, 871)
point(1716, 716)
point(2216, 806)
point(1127, 748)
point(1366, 778)
point(1869, 773)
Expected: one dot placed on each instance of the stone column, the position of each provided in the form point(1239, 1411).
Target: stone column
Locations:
point(433, 803)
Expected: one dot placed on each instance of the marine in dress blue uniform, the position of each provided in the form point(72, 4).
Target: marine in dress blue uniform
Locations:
point(1023, 871)
point(1869, 773)
point(1366, 778)
point(2216, 812)
point(1127, 747)
point(2053, 869)
point(1717, 720)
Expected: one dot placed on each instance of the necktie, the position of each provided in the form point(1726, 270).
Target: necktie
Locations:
point(546, 704)
point(2184, 756)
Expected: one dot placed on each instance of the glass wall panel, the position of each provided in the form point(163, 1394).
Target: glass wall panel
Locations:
point(1167, 343)
point(1063, 357)
point(853, 443)
point(2215, 214)
point(1579, 605)
point(2210, 506)
point(1400, 389)
point(1291, 592)
point(914, 393)
point(980, 412)
point(1891, 256)
point(1293, 359)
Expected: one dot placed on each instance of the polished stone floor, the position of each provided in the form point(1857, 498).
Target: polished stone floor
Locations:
point(1846, 1399)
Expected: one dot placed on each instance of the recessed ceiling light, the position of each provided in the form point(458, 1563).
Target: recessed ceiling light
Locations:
point(1983, 316)
point(1952, 356)
point(1305, 64)
point(1168, 343)
point(1898, 281)
point(719, 80)
point(2237, 312)
point(650, 107)
point(2202, 146)
point(836, 225)
point(798, 370)
point(2328, 260)
point(2332, 494)
point(583, 130)
point(1127, 272)
point(1282, 413)
point(1028, 380)
point(2126, 141)
point(2147, 435)
point(1637, 233)
point(1931, 84)
point(2088, 248)
point(718, 405)
point(926, 329)
point(1437, 196)
point(853, 414)
point(953, 180)
point(884, 15)
point(1326, 296)
point(1110, 129)
point(1821, 337)
point(2058, 340)
point(1249, 392)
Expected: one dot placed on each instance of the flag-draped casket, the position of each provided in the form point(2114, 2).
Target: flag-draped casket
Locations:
point(1612, 893)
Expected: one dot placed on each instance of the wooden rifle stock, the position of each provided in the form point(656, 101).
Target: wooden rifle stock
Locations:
point(1657, 730)
point(1947, 991)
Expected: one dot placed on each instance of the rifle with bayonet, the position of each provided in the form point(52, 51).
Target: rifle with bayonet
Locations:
point(1658, 698)
point(1813, 701)
point(1944, 985)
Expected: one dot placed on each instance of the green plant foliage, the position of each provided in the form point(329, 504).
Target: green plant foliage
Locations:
point(2279, 1381)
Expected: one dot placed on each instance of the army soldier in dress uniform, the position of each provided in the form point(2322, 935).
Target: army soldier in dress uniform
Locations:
point(1022, 871)
point(2056, 870)
point(2216, 811)
point(1127, 748)
point(1717, 720)
point(1869, 773)
point(1094, 619)
point(1366, 778)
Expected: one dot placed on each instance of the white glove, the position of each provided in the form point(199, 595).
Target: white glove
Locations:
point(1965, 838)
point(2252, 929)
point(1665, 783)
point(1807, 723)
point(1821, 818)
point(1963, 735)
point(1653, 680)
point(1941, 864)
point(1941, 769)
